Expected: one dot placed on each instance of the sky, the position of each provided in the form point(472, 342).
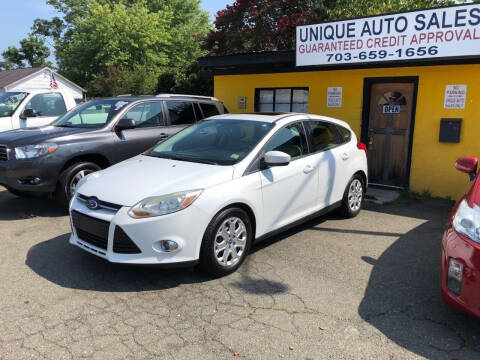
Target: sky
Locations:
point(16, 17)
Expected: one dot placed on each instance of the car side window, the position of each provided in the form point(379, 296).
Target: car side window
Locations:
point(95, 114)
point(47, 105)
point(147, 115)
point(291, 140)
point(344, 133)
point(181, 112)
point(209, 110)
point(324, 135)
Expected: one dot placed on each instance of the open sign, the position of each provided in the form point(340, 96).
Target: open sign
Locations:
point(391, 109)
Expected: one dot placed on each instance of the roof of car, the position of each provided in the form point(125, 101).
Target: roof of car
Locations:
point(35, 90)
point(166, 96)
point(274, 117)
point(264, 117)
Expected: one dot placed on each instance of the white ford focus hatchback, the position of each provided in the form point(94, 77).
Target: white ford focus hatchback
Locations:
point(207, 193)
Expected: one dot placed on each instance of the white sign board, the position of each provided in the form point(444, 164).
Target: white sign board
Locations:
point(435, 33)
point(334, 97)
point(391, 109)
point(455, 96)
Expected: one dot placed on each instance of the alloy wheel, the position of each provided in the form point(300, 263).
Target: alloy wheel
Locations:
point(355, 195)
point(230, 242)
point(75, 179)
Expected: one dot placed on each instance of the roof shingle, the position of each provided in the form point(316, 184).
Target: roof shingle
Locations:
point(8, 77)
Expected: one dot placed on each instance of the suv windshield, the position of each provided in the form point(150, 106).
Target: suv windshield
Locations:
point(9, 102)
point(217, 141)
point(93, 114)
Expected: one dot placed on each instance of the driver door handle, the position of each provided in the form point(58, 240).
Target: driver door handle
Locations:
point(308, 169)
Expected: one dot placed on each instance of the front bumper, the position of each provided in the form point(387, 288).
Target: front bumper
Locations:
point(467, 252)
point(185, 227)
point(16, 174)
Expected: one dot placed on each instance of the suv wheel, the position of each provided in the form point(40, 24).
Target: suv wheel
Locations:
point(69, 179)
point(226, 242)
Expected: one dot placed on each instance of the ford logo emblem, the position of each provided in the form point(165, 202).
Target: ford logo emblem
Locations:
point(92, 204)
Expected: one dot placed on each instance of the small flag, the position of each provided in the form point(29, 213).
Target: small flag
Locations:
point(53, 82)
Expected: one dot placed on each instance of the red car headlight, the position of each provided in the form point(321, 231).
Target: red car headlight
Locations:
point(467, 221)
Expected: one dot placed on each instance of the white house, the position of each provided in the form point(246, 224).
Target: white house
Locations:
point(37, 78)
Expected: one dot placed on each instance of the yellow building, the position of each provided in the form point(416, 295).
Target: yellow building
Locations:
point(417, 115)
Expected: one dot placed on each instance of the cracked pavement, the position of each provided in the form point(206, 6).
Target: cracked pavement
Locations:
point(365, 288)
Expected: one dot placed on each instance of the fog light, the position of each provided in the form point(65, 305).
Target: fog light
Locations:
point(29, 181)
point(167, 246)
point(455, 275)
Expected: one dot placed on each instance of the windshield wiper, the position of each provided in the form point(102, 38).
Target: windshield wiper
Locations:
point(64, 126)
point(186, 158)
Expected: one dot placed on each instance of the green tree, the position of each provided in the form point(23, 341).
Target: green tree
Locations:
point(266, 25)
point(32, 52)
point(96, 41)
point(344, 9)
point(114, 35)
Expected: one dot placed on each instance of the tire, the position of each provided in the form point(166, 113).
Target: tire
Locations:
point(216, 261)
point(69, 178)
point(353, 197)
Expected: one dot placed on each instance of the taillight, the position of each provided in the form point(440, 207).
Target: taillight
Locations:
point(362, 146)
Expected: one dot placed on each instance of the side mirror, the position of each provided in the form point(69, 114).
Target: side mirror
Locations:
point(28, 113)
point(467, 165)
point(125, 124)
point(276, 158)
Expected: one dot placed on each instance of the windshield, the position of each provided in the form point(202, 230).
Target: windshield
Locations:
point(218, 141)
point(9, 102)
point(93, 114)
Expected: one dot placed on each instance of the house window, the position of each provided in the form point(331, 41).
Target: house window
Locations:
point(281, 100)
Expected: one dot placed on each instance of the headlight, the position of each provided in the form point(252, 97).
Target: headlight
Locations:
point(467, 221)
point(162, 205)
point(33, 151)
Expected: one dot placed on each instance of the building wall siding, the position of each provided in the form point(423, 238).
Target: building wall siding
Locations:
point(432, 162)
point(41, 80)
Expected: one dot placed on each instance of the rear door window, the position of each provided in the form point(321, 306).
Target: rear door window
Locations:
point(324, 135)
point(209, 110)
point(180, 112)
point(344, 133)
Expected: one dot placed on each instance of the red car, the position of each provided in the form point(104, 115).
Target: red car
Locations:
point(460, 274)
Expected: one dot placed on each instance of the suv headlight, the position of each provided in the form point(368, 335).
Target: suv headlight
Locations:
point(33, 151)
point(467, 221)
point(163, 205)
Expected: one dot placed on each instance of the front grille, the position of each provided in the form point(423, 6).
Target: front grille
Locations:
point(122, 244)
point(3, 153)
point(91, 230)
point(101, 204)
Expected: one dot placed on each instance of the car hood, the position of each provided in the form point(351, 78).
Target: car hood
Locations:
point(135, 179)
point(30, 136)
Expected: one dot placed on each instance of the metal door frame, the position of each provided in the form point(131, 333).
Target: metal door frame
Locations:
point(367, 90)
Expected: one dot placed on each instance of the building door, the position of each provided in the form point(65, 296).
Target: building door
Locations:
point(388, 121)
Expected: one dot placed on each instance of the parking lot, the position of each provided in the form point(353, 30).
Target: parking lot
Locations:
point(365, 288)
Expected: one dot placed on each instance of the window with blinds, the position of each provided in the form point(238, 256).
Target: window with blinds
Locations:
point(281, 100)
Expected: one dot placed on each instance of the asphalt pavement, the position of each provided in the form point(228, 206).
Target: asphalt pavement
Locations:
point(364, 288)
